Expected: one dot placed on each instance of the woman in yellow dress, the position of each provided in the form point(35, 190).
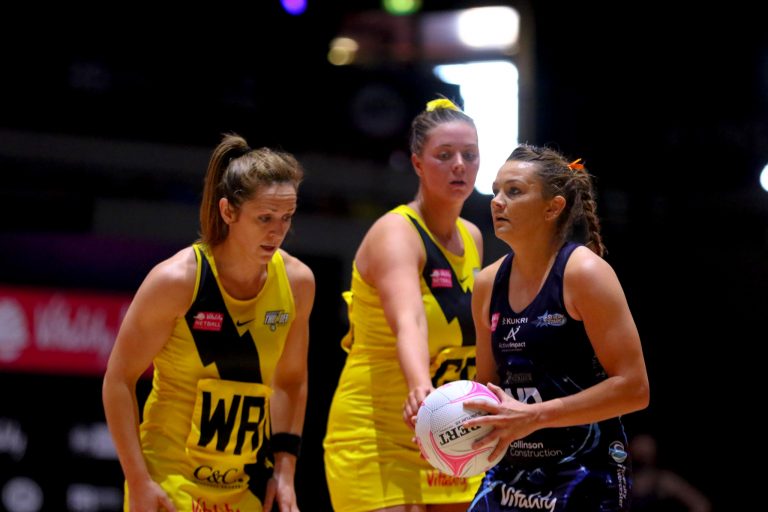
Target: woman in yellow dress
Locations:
point(225, 323)
point(410, 329)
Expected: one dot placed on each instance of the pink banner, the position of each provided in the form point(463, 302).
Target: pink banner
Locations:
point(56, 331)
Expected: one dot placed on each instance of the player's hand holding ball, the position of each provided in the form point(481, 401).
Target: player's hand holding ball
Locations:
point(508, 419)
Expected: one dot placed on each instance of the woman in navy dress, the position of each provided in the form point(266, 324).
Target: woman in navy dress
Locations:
point(557, 343)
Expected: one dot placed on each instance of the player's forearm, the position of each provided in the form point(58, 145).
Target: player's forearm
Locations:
point(288, 406)
point(413, 355)
point(122, 414)
point(613, 397)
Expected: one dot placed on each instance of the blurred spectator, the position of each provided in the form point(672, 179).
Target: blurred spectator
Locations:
point(660, 490)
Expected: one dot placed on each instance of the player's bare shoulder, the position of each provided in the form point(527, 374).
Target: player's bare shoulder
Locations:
point(299, 273)
point(177, 270)
point(392, 241)
point(481, 292)
point(488, 273)
point(170, 284)
point(296, 268)
point(391, 225)
point(585, 267)
point(589, 283)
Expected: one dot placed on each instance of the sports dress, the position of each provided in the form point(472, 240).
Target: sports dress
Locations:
point(542, 353)
point(206, 427)
point(370, 461)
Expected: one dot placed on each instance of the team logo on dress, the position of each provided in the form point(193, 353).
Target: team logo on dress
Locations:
point(275, 318)
point(208, 321)
point(550, 320)
point(441, 278)
point(520, 499)
point(617, 452)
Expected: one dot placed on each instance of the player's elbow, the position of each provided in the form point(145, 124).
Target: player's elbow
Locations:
point(640, 394)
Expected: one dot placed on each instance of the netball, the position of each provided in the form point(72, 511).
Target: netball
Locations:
point(442, 438)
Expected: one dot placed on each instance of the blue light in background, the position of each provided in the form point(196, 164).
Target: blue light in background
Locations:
point(294, 7)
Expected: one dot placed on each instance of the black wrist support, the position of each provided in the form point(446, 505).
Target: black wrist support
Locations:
point(286, 442)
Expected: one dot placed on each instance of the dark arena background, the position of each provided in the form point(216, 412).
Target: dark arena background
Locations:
point(108, 116)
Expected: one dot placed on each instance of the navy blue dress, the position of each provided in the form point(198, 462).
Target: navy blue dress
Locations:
point(542, 353)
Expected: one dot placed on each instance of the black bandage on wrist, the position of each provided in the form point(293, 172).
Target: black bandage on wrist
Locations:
point(286, 442)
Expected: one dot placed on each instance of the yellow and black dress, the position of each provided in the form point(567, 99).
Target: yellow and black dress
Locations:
point(206, 424)
point(370, 461)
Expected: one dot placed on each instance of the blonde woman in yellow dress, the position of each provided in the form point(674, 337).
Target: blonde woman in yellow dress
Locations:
point(410, 329)
point(225, 323)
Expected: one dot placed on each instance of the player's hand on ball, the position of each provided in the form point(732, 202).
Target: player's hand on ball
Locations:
point(511, 420)
point(411, 406)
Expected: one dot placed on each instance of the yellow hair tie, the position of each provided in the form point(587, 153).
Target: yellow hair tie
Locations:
point(576, 166)
point(441, 103)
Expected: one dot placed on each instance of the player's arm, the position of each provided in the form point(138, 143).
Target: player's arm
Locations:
point(481, 303)
point(289, 397)
point(392, 255)
point(594, 295)
point(163, 297)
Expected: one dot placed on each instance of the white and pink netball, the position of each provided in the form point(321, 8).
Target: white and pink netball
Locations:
point(442, 438)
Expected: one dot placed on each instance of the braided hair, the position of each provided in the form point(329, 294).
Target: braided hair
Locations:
point(574, 183)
